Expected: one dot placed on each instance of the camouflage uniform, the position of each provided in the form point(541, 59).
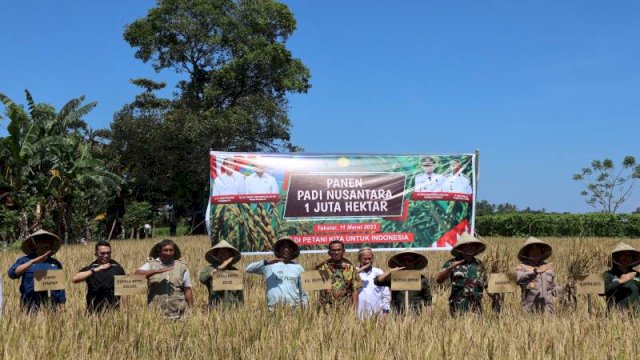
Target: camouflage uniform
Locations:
point(343, 282)
point(468, 281)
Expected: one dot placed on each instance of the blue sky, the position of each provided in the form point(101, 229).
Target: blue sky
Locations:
point(540, 88)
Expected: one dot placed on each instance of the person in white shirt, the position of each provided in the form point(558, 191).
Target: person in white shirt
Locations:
point(229, 182)
point(260, 182)
point(428, 181)
point(457, 182)
point(372, 300)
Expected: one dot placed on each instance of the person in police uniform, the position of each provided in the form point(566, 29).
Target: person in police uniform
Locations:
point(260, 182)
point(229, 182)
point(456, 182)
point(428, 181)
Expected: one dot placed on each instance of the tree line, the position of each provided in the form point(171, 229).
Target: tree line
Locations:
point(57, 173)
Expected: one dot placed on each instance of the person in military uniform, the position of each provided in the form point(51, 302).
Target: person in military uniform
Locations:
point(345, 280)
point(536, 277)
point(467, 275)
point(221, 258)
point(621, 283)
point(418, 300)
point(168, 279)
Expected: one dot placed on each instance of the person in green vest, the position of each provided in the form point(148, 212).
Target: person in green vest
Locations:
point(168, 279)
point(621, 283)
point(221, 257)
point(467, 275)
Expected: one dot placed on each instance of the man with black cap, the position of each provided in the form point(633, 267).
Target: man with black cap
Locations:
point(39, 248)
point(221, 257)
point(407, 260)
point(283, 276)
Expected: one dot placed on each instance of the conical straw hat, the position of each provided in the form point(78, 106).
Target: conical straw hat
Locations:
point(212, 255)
point(466, 238)
point(32, 239)
point(285, 239)
point(624, 248)
point(155, 250)
point(523, 252)
point(421, 260)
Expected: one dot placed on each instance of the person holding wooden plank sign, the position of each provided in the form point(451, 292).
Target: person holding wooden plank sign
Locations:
point(467, 275)
point(621, 283)
point(221, 258)
point(99, 276)
point(39, 248)
point(418, 299)
point(283, 275)
point(345, 281)
point(169, 280)
point(536, 277)
point(372, 299)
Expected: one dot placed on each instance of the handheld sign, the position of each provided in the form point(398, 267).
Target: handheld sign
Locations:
point(130, 285)
point(48, 280)
point(500, 283)
point(592, 284)
point(406, 280)
point(316, 280)
point(227, 280)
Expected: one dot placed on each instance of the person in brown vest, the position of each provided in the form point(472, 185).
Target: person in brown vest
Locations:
point(536, 277)
point(169, 280)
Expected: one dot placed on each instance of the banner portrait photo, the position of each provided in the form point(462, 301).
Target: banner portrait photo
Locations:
point(379, 201)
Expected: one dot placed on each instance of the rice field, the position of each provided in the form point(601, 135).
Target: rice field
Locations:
point(250, 332)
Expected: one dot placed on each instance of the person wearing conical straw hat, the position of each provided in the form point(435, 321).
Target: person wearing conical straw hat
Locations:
point(621, 283)
point(39, 249)
point(283, 275)
point(467, 275)
point(418, 300)
point(221, 257)
point(169, 281)
point(373, 300)
point(536, 277)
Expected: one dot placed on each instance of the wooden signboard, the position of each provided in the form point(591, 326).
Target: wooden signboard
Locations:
point(130, 285)
point(316, 280)
point(227, 280)
point(48, 280)
point(500, 283)
point(590, 285)
point(406, 280)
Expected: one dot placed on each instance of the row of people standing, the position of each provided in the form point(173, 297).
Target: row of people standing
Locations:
point(363, 287)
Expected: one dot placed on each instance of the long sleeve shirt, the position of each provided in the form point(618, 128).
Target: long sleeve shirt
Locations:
point(29, 298)
point(284, 283)
point(372, 299)
point(625, 295)
point(538, 289)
